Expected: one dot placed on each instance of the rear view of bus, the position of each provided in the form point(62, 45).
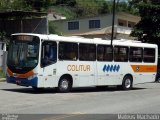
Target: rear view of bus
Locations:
point(22, 60)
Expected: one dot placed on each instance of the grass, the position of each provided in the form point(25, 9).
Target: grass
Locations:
point(2, 76)
point(66, 11)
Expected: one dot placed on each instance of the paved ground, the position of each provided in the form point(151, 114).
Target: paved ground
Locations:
point(143, 99)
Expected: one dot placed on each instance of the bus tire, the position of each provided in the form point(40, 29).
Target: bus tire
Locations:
point(158, 79)
point(64, 85)
point(127, 82)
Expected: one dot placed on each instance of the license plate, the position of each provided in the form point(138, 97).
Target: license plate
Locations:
point(18, 82)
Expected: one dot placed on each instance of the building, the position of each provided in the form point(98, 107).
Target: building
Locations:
point(99, 26)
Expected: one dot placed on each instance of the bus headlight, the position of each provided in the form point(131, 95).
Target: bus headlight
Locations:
point(32, 77)
point(8, 75)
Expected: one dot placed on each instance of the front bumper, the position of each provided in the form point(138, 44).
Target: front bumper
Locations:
point(23, 81)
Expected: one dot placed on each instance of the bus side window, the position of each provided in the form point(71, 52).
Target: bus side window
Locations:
point(135, 54)
point(120, 54)
point(149, 55)
point(104, 53)
point(87, 52)
point(68, 51)
point(49, 53)
point(100, 51)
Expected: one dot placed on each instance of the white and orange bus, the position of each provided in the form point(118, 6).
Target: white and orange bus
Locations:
point(47, 61)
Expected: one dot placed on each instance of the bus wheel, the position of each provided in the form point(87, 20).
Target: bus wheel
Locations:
point(64, 85)
point(158, 79)
point(127, 83)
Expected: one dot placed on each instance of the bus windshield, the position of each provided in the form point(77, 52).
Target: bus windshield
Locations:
point(23, 54)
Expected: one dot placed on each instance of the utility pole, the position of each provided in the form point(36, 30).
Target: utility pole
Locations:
point(113, 11)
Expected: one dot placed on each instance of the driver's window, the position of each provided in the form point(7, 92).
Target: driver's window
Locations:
point(49, 53)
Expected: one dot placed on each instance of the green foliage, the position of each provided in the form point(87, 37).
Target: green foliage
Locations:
point(82, 8)
point(128, 7)
point(14, 5)
point(66, 11)
point(69, 8)
point(3, 37)
point(148, 29)
point(105, 8)
point(48, 3)
point(122, 7)
point(2, 74)
point(66, 2)
point(52, 28)
point(87, 8)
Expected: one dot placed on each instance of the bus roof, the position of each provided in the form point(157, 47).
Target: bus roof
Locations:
point(79, 39)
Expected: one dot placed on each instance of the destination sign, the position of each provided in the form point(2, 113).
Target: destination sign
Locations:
point(23, 37)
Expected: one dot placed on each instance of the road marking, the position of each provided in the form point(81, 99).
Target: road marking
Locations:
point(61, 117)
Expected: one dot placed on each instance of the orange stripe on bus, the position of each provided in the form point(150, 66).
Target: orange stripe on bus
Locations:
point(26, 75)
point(144, 68)
point(9, 72)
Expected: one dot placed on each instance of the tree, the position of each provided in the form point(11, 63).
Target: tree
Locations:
point(3, 37)
point(53, 29)
point(14, 5)
point(105, 8)
point(87, 7)
point(148, 29)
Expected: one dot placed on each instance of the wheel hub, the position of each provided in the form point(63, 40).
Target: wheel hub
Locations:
point(64, 84)
point(128, 83)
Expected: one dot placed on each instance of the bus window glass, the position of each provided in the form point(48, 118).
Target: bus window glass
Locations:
point(120, 54)
point(87, 52)
point(31, 52)
point(149, 55)
point(104, 53)
point(49, 53)
point(135, 54)
point(23, 53)
point(68, 51)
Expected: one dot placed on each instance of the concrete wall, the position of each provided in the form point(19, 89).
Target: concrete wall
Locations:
point(62, 25)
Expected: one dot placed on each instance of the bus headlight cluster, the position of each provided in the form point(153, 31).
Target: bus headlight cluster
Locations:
point(8, 75)
point(32, 77)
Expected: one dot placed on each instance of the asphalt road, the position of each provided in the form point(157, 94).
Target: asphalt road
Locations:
point(87, 103)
